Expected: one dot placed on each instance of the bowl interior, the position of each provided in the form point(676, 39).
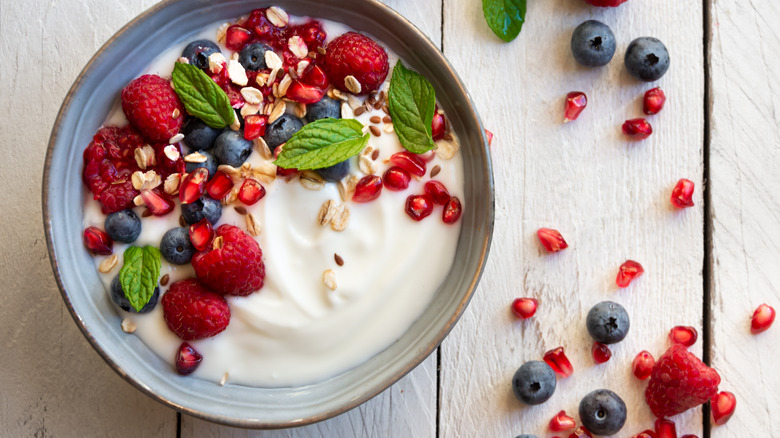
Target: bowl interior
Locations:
point(124, 57)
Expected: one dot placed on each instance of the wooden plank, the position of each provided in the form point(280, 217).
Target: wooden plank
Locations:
point(608, 196)
point(53, 383)
point(745, 209)
point(406, 409)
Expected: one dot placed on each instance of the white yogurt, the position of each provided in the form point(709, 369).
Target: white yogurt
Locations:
point(296, 331)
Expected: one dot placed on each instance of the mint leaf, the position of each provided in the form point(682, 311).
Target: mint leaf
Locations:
point(323, 143)
point(504, 17)
point(201, 96)
point(139, 274)
point(411, 100)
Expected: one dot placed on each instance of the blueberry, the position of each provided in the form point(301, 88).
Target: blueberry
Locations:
point(123, 226)
point(534, 382)
point(336, 172)
point(210, 164)
point(602, 412)
point(232, 148)
point(593, 44)
point(176, 247)
point(647, 59)
point(252, 56)
point(608, 322)
point(323, 109)
point(198, 53)
point(118, 295)
point(198, 135)
point(204, 207)
point(281, 130)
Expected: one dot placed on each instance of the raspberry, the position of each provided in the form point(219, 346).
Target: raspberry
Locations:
point(606, 3)
point(234, 268)
point(193, 312)
point(118, 196)
point(679, 381)
point(150, 103)
point(353, 54)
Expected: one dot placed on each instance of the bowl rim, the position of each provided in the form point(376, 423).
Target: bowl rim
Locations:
point(377, 388)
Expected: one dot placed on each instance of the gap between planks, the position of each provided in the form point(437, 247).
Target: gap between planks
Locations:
point(707, 268)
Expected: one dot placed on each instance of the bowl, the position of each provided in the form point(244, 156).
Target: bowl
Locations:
point(124, 57)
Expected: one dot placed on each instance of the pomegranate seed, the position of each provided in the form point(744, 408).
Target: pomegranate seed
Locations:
point(251, 191)
point(580, 432)
point(193, 185)
point(98, 241)
point(410, 162)
point(665, 428)
point(437, 191)
point(314, 76)
point(684, 335)
point(763, 318)
point(452, 211)
point(576, 101)
point(723, 405)
point(690, 435)
point(254, 126)
point(201, 234)
point(158, 205)
point(489, 136)
point(628, 271)
point(682, 194)
point(524, 308)
point(302, 93)
point(367, 189)
point(418, 207)
point(562, 422)
point(551, 239)
point(396, 179)
point(638, 129)
point(438, 126)
point(646, 434)
point(601, 353)
point(643, 365)
point(654, 101)
point(237, 37)
point(558, 361)
point(220, 185)
point(187, 359)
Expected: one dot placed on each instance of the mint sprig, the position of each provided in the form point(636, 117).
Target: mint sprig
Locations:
point(504, 17)
point(201, 96)
point(139, 274)
point(411, 100)
point(323, 143)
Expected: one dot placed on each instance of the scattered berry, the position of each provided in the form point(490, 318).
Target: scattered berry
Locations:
point(683, 335)
point(210, 164)
point(646, 434)
point(489, 136)
point(606, 3)
point(304, 93)
point(251, 191)
point(192, 312)
point(601, 353)
point(665, 428)
point(524, 308)
point(281, 130)
point(627, 272)
point(205, 207)
point(123, 226)
point(187, 359)
point(356, 55)
point(562, 422)
point(368, 188)
point(252, 56)
point(438, 126)
point(201, 234)
point(654, 101)
point(396, 179)
point(156, 204)
point(149, 103)
point(679, 381)
point(418, 207)
point(763, 318)
point(551, 239)
point(234, 268)
point(437, 191)
point(198, 135)
point(232, 148)
point(336, 172)
point(643, 364)
point(534, 383)
point(119, 297)
point(410, 162)
point(723, 405)
point(576, 101)
point(325, 108)
point(593, 44)
point(254, 126)
point(176, 246)
point(193, 185)
point(219, 186)
point(682, 194)
point(198, 52)
point(637, 129)
point(98, 241)
point(558, 361)
point(608, 322)
point(452, 211)
point(689, 435)
point(236, 37)
point(580, 432)
point(647, 59)
point(603, 412)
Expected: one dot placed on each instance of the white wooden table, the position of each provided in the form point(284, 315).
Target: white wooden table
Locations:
point(707, 266)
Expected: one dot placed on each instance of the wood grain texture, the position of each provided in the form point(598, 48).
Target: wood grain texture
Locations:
point(52, 382)
point(745, 209)
point(609, 197)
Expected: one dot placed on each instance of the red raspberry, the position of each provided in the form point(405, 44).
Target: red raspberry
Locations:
point(606, 3)
point(359, 56)
point(193, 312)
point(235, 268)
point(149, 102)
point(118, 196)
point(680, 381)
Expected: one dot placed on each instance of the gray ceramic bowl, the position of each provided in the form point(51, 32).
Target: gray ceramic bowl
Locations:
point(121, 59)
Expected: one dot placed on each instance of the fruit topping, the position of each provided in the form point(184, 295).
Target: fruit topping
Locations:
point(763, 317)
point(254, 126)
point(201, 160)
point(683, 335)
point(336, 172)
point(601, 353)
point(192, 311)
point(187, 359)
point(606, 3)
point(236, 37)
point(647, 59)
point(665, 428)
point(176, 246)
point(193, 185)
point(355, 63)
point(593, 44)
point(323, 109)
point(603, 412)
point(452, 211)
point(524, 308)
point(233, 265)
point(251, 191)
point(637, 129)
point(232, 148)
point(438, 126)
point(608, 322)
point(252, 56)
point(396, 179)
point(558, 361)
point(98, 241)
point(198, 52)
point(646, 434)
point(437, 191)
point(153, 108)
point(410, 162)
point(654, 101)
point(580, 432)
point(551, 239)
point(576, 101)
point(562, 422)
point(418, 207)
point(201, 234)
point(534, 383)
point(156, 204)
point(120, 298)
point(643, 364)
point(627, 272)
point(205, 207)
point(682, 194)
point(368, 188)
point(123, 226)
point(219, 186)
point(281, 130)
point(723, 405)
